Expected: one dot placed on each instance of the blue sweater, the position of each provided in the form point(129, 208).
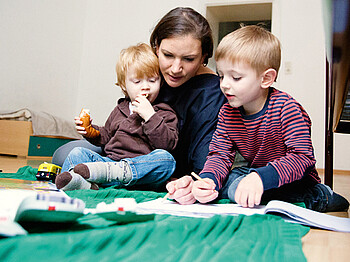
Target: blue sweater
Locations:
point(197, 104)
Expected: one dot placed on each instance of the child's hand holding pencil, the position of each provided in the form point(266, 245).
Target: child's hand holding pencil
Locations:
point(203, 189)
point(186, 191)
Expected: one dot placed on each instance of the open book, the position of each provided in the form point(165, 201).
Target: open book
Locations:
point(14, 191)
point(287, 211)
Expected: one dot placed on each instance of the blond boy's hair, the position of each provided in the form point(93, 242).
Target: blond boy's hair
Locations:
point(142, 58)
point(253, 45)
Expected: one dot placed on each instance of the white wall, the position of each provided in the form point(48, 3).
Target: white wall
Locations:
point(303, 49)
point(40, 54)
point(66, 50)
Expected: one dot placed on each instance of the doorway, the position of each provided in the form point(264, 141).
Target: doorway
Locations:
point(224, 19)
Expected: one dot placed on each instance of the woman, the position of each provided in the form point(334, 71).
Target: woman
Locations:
point(183, 42)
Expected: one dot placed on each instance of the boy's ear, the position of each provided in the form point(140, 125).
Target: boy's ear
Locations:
point(268, 77)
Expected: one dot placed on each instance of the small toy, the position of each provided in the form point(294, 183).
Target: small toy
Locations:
point(122, 210)
point(48, 172)
point(50, 208)
point(85, 118)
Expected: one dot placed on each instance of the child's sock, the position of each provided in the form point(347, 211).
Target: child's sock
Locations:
point(105, 172)
point(71, 181)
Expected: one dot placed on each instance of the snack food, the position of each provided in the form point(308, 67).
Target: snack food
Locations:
point(85, 118)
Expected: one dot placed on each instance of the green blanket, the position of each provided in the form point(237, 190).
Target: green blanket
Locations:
point(166, 238)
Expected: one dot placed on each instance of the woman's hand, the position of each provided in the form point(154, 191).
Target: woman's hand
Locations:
point(204, 190)
point(143, 107)
point(181, 190)
point(249, 190)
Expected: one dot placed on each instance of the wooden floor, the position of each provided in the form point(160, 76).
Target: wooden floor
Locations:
point(318, 245)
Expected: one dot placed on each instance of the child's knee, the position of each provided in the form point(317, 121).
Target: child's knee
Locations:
point(77, 152)
point(163, 155)
point(168, 158)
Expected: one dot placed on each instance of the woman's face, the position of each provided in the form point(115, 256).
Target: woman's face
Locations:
point(180, 58)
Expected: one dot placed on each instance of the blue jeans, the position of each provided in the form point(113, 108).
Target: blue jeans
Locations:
point(297, 191)
point(152, 169)
point(60, 155)
point(230, 186)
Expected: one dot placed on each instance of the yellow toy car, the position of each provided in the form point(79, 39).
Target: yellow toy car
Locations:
point(48, 172)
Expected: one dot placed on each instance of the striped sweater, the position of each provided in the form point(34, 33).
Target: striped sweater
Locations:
point(276, 142)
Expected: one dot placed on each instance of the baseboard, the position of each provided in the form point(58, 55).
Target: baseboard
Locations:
point(335, 171)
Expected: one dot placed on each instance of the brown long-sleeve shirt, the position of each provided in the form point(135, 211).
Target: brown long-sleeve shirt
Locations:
point(125, 135)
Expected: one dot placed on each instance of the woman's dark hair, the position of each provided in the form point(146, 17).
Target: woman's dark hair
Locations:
point(183, 21)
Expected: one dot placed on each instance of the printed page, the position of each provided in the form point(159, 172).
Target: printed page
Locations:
point(13, 191)
point(9, 183)
point(10, 201)
point(289, 212)
point(161, 206)
point(309, 217)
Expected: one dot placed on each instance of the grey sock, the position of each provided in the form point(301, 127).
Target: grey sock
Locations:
point(106, 172)
point(77, 182)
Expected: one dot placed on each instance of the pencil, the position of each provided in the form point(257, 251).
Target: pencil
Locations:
point(196, 176)
point(166, 196)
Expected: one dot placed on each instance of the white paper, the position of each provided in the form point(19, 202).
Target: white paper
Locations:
point(160, 206)
point(289, 212)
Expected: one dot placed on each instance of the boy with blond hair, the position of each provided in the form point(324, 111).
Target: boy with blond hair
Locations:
point(269, 128)
point(136, 137)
